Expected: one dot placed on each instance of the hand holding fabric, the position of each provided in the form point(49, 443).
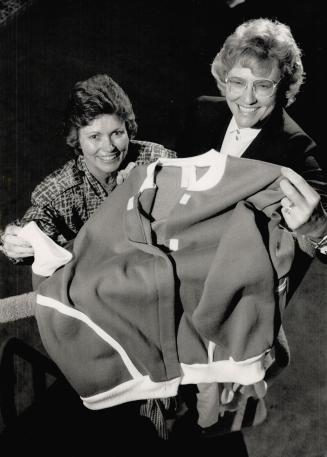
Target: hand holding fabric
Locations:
point(13, 245)
point(301, 206)
point(123, 174)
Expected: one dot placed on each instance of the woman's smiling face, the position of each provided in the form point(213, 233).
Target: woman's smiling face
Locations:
point(104, 144)
point(249, 109)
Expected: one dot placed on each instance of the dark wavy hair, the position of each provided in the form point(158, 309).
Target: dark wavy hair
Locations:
point(260, 44)
point(94, 97)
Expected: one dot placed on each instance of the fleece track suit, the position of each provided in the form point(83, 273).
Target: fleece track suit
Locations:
point(186, 287)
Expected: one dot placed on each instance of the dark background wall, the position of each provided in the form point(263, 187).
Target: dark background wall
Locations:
point(160, 52)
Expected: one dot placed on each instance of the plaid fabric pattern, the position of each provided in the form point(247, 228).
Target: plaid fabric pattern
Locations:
point(66, 198)
point(156, 410)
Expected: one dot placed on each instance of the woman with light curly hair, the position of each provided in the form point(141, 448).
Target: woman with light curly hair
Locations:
point(266, 48)
point(259, 72)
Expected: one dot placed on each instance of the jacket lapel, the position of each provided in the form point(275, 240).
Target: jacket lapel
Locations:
point(266, 145)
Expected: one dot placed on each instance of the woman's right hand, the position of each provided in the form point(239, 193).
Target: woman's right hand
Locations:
point(13, 246)
point(123, 174)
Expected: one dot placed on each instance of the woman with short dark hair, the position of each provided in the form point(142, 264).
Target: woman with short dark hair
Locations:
point(94, 97)
point(99, 127)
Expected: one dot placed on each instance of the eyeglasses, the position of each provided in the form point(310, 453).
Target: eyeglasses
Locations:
point(262, 88)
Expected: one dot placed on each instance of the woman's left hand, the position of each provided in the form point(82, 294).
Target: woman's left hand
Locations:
point(301, 206)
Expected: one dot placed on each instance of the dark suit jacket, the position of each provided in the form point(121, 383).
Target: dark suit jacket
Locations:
point(281, 140)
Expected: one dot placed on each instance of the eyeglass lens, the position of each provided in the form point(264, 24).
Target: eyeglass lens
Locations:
point(261, 87)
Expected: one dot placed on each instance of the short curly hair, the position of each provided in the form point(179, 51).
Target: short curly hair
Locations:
point(94, 97)
point(259, 44)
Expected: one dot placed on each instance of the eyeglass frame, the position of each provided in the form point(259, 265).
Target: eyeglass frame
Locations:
point(274, 83)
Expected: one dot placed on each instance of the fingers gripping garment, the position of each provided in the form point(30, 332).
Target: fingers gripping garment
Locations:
point(48, 256)
point(173, 281)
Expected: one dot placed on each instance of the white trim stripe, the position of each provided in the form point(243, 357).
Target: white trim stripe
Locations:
point(130, 204)
point(135, 389)
point(211, 351)
point(148, 183)
point(185, 198)
point(245, 372)
point(212, 159)
point(48, 256)
point(173, 244)
point(68, 311)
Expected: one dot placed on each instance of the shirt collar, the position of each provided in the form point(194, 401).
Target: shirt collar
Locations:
point(81, 165)
point(245, 133)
